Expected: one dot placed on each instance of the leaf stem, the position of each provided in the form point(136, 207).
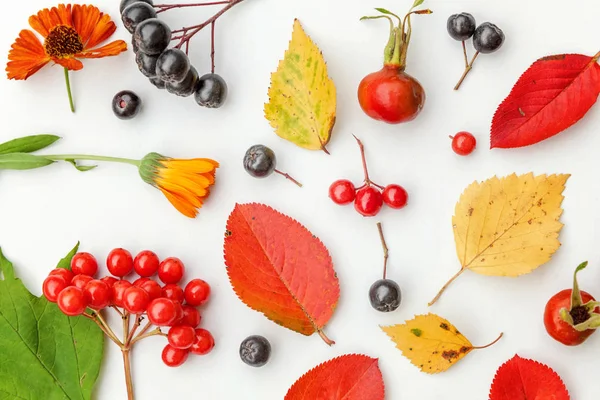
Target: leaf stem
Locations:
point(287, 176)
point(489, 344)
point(87, 157)
point(68, 83)
point(128, 377)
point(468, 69)
point(437, 297)
point(385, 249)
point(323, 336)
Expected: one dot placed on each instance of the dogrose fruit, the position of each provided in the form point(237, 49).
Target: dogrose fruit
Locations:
point(390, 94)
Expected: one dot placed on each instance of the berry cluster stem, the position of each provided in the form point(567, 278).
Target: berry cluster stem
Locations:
point(468, 66)
point(386, 252)
point(288, 176)
point(166, 7)
point(368, 181)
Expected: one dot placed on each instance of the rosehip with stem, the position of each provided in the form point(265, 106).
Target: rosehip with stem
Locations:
point(385, 294)
point(52, 286)
point(84, 264)
point(463, 143)
point(71, 301)
point(260, 162)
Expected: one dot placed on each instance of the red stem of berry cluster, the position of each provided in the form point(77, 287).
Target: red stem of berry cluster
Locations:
point(368, 181)
point(166, 7)
point(129, 338)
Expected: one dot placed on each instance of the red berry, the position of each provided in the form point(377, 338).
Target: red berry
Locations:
point(559, 329)
point(97, 294)
point(146, 263)
point(197, 292)
point(463, 143)
point(395, 196)
point(191, 317)
point(52, 286)
point(204, 342)
point(171, 270)
point(342, 192)
point(151, 287)
point(135, 300)
point(368, 201)
point(173, 292)
point(173, 357)
point(85, 264)
point(110, 280)
point(162, 312)
point(182, 337)
point(178, 314)
point(138, 282)
point(81, 281)
point(118, 292)
point(71, 301)
point(119, 262)
point(65, 273)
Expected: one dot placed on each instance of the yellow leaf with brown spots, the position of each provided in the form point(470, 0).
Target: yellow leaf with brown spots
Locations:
point(508, 226)
point(431, 343)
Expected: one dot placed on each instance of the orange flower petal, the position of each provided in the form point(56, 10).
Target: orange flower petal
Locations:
point(111, 49)
point(85, 19)
point(103, 30)
point(69, 62)
point(184, 193)
point(196, 165)
point(181, 205)
point(26, 56)
point(47, 19)
point(197, 189)
point(174, 175)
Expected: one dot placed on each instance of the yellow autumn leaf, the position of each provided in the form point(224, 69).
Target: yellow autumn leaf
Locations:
point(508, 226)
point(302, 97)
point(431, 343)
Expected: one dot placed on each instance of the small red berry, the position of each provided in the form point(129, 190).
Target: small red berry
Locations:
point(71, 301)
point(135, 300)
point(85, 264)
point(204, 342)
point(342, 192)
point(67, 274)
point(395, 196)
point(118, 292)
point(110, 280)
point(81, 281)
point(162, 312)
point(181, 336)
point(191, 317)
point(463, 143)
point(119, 262)
point(52, 286)
point(171, 270)
point(173, 292)
point(151, 287)
point(368, 201)
point(140, 281)
point(97, 294)
point(197, 292)
point(146, 263)
point(173, 357)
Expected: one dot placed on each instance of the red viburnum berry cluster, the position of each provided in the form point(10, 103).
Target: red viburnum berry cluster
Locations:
point(77, 292)
point(370, 197)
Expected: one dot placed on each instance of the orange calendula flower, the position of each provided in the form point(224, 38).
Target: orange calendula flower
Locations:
point(185, 183)
point(70, 33)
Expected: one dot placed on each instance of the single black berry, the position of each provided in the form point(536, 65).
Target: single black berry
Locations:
point(127, 3)
point(173, 65)
point(136, 13)
point(134, 45)
point(260, 161)
point(488, 38)
point(461, 26)
point(146, 64)
point(187, 86)
point(159, 83)
point(126, 104)
point(255, 351)
point(152, 36)
point(211, 91)
point(385, 295)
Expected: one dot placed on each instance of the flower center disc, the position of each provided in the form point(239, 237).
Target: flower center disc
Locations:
point(63, 41)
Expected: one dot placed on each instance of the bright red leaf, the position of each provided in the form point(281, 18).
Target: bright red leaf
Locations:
point(553, 94)
point(523, 379)
point(276, 266)
point(349, 377)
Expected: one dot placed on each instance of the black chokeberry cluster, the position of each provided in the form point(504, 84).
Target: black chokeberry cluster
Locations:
point(168, 67)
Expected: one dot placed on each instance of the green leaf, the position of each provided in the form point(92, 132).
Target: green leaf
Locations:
point(21, 161)
point(28, 144)
point(65, 263)
point(418, 3)
point(82, 168)
point(384, 11)
point(44, 354)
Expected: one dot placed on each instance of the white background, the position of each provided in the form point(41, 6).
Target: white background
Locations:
point(43, 213)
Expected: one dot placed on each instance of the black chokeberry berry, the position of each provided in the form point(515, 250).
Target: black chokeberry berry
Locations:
point(385, 295)
point(127, 3)
point(146, 64)
point(461, 26)
point(211, 91)
point(159, 83)
point(173, 66)
point(136, 13)
point(260, 161)
point(255, 351)
point(187, 86)
point(126, 104)
point(488, 38)
point(134, 45)
point(152, 36)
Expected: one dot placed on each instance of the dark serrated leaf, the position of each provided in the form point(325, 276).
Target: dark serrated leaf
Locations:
point(28, 144)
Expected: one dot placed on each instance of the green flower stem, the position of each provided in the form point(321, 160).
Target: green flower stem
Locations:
point(86, 157)
point(68, 82)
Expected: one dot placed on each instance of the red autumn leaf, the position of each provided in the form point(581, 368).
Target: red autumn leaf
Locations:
point(523, 379)
point(276, 266)
point(349, 377)
point(553, 94)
